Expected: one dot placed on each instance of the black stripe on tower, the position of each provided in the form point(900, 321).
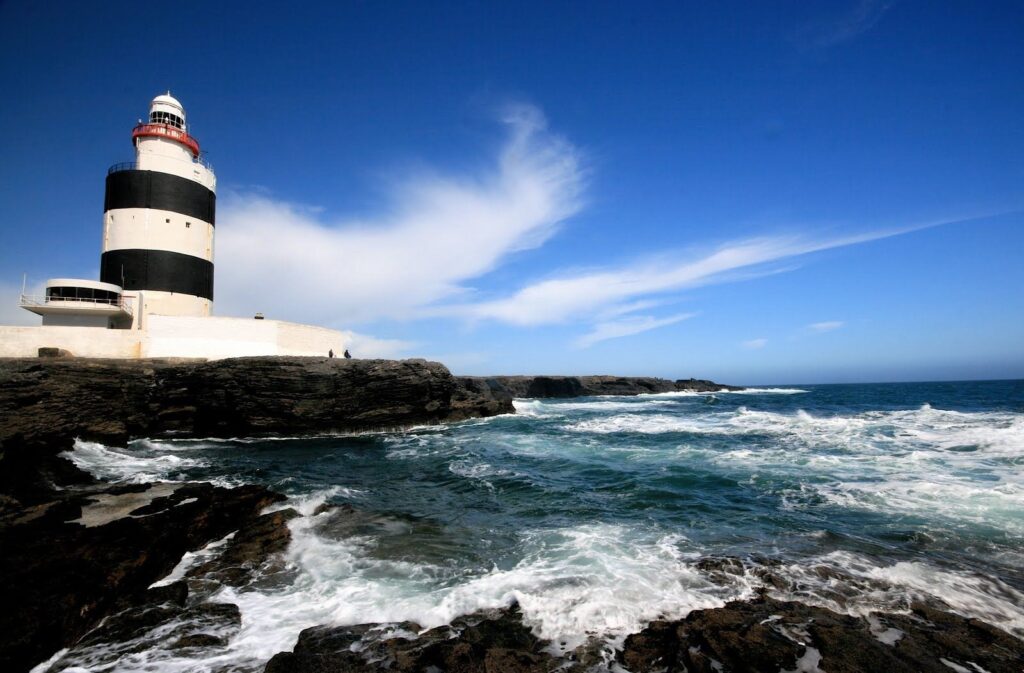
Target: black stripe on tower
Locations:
point(162, 191)
point(158, 270)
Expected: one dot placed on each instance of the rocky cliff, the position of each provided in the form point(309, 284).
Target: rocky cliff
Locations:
point(112, 400)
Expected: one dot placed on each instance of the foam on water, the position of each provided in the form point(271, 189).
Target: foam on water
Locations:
point(864, 587)
point(570, 584)
point(765, 391)
point(136, 464)
point(595, 514)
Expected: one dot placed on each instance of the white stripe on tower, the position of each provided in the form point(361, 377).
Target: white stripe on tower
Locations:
point(159, 217)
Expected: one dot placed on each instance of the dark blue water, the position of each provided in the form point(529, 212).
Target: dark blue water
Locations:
point(598, 514)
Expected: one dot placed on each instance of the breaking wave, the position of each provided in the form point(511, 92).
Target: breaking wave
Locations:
point(598, 515)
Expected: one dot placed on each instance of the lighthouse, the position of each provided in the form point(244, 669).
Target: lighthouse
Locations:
point(158, 218)
point(154, 298)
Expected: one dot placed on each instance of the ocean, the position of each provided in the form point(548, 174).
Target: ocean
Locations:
point(601, 514)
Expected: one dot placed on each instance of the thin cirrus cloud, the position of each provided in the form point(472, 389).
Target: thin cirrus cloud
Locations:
point(755, 344)
point(441, 232)
point(826, 326)
point(849, 25)
point(628, 326)
point(285, 261)
point(575, 297)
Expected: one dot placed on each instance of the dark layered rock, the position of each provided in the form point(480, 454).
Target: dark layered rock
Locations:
point(67, 563)
point(587, 386)
point(494, 641)
point(46, 403)
point(761, 635)
point(768, 635)
point(112, 400)
point(247, 552)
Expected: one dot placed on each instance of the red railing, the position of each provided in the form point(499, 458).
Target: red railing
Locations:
point(166, 131)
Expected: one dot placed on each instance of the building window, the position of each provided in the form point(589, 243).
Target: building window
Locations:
point(167, 118)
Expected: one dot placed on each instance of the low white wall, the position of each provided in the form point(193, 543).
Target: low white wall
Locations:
point(296, 339)
point(176, 336)
point(92, 342)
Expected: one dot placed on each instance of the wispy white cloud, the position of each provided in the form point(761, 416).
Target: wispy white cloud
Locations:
point(441, 232)
point(293, 262)
point(614, 290)
point(826, 326)
point(860, 18)
point(366, 346)
point(627, 327)
point(755, 344)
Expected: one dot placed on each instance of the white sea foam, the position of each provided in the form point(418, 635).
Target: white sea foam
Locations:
point(648, 424)
point(571, 583)
point(192, 559)
point(134, 464)
point(765, 391)
point(867, 587)
point(959, 466)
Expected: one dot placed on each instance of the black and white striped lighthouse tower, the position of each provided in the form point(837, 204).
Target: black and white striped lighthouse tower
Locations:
point(158, 218)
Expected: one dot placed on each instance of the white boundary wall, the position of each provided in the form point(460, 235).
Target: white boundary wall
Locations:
point(177, 336)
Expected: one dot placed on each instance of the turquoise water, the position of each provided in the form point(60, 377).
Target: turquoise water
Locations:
point(597, 514)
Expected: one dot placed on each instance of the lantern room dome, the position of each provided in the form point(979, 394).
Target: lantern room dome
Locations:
point(166, 109)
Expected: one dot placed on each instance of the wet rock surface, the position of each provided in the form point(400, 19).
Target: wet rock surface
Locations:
point(770, 635)
point(761, 635)
point(67, 563)
point(245, 556)
point(492, 641)
point(587, 386)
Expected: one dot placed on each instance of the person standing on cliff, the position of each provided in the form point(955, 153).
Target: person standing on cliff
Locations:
point(348, 356)
point(330, 353)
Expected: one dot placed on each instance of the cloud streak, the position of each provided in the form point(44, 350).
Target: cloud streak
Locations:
point(628, 326)
point(283, 260)
point(755, 344)
point(859, 19)
point(585, 294)
point(827, 326)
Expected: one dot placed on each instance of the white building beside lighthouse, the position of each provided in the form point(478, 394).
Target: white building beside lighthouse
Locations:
point(155, 293)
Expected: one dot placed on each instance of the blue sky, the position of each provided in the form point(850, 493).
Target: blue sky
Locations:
point(766, 192)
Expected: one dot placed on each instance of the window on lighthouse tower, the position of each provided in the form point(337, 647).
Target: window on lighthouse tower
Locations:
point(160, 117)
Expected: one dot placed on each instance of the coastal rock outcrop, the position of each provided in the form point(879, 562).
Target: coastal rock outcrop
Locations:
point(112, 400)
point(770, 635)
point(67, 563)
point(587, 386)
point(46, 403)
point(495, 641)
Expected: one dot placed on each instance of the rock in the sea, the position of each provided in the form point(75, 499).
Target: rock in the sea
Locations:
point(68, 563)
point(493, 641)
point(769, 635)
point(249, 549)
point(588, 386)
